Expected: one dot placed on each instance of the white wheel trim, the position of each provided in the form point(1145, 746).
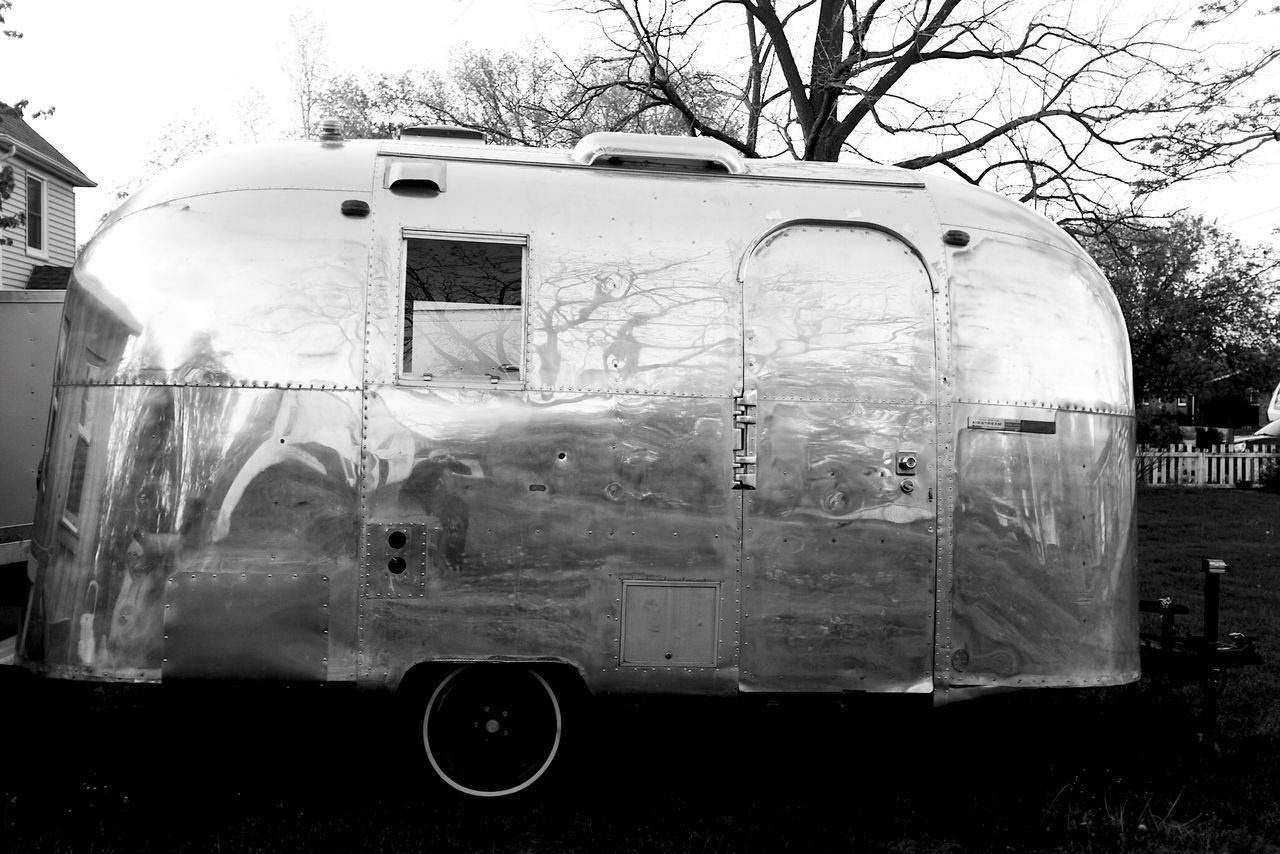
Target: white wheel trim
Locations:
point(551, 754)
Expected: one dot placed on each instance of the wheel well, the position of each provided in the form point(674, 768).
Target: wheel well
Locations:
point(493, 728)
point(565, 679)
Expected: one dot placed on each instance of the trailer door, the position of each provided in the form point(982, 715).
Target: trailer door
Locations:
point(836, 462)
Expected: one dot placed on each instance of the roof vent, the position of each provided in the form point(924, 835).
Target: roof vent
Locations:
point(647, 151)
point(415, 176)
point(453, 133)
point(329, 131)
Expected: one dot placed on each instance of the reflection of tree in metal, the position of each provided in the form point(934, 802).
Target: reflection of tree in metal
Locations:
point(298, 505)
point(217, 480)
point(138, 543)
point(165, 480)
point(431, 486)
point(164, 464)
point(624, 325)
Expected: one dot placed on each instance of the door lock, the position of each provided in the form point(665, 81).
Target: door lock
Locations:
point(907, 462)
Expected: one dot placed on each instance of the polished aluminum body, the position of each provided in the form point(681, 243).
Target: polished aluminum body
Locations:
point(761, 429)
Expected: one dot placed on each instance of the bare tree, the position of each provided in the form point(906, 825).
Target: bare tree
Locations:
point(307, 68)
point(179, 140)
point(253, 116)
point(531, 97)
point(1072, 107)
point(366, 108)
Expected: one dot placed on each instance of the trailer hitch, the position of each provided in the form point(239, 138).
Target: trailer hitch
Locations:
point(1196, 658)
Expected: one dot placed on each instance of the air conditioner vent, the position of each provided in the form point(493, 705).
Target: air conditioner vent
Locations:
point(639, 150)
point(452, 133)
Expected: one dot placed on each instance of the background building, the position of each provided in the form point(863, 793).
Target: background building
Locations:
point(40, 251)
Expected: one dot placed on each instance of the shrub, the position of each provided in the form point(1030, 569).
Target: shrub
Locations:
point(1208, 437)
point(1158, 429)
point(1269, 476)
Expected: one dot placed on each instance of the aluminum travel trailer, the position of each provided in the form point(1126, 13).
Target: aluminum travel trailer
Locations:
point(643, 416)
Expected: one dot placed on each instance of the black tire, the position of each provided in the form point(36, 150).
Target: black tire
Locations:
point(492, 730)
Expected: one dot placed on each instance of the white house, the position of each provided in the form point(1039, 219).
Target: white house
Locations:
point(44, 181)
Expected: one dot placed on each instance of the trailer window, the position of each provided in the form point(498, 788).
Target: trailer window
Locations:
point(462, 309)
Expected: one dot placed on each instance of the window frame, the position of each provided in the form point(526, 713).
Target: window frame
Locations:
point(504, 238)
point(41, 251)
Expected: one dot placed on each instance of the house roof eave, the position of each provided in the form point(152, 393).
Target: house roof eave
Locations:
point(18, 151)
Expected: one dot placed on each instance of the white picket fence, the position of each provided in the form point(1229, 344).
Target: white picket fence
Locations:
point(1219, 466)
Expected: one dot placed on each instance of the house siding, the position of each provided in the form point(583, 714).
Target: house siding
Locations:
point(60, 227)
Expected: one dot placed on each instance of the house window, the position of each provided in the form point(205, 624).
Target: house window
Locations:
point(462, 308)
point(36, 206)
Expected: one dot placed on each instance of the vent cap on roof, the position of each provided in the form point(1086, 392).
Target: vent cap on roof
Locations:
point(329, 131)
point(644, 150)
point(452, 133)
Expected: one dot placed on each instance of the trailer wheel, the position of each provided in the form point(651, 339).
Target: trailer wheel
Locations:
point(491, 730)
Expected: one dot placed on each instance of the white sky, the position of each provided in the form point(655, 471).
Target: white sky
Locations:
point(118, 73)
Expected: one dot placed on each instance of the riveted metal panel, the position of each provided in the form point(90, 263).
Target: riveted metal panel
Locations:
point(666, 361)
point(396, 559)
point(246, 625)
point(838, 561)
point(260, 288)
point(622, 298)
point(1036, 326)
point(839, 535)
point(668, 624)
point(149, 482)
point(1044, 592)
point(1042, 583)
point(535, 507)
point(289, 166)
point(945, 460)
point(838, 312)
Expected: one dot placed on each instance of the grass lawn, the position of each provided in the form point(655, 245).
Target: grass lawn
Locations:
point(1176, 528)
point(1157, 792)
point(1039, 771)
point(1232, 803)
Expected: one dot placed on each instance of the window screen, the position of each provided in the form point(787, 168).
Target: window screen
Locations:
point(462, 309)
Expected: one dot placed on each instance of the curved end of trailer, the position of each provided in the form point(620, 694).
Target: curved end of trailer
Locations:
point(1042, 587)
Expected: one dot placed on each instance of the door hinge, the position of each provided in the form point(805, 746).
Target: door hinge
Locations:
point(744, 446)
